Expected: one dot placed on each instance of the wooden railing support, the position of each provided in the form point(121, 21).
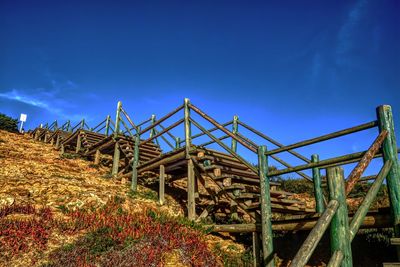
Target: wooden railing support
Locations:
point(153, 121)
point(177, 142)
point(161, 194)
point(266, 214)
point(188, 131)
point(385, 120)
point(319, 197)
point(135, 162)
point(116, 157)
point(117, 119)
point(234, 131)
point(107, 125)
point(191, 205)
point(340, 222)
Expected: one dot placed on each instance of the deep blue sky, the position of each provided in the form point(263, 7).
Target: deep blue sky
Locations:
point(293, 69)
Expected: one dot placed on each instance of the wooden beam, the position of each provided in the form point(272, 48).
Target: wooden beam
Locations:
point(266, 214)
point(191, 205)
point(340, 235)
point(161, 194)
point(319, 196)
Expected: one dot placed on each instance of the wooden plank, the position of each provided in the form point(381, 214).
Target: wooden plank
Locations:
point(161, 194)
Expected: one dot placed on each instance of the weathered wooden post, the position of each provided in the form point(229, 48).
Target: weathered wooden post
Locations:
point(385, 120)
point(319, 197)
point(62, 149)
point(191, 191)
point(177, 143)
point(234, 131)
point(153, 130)
point(161, 194)
point(188, 130)
point(82, 124)
point(256, 249)
point(68, 125)
point(78, 143)
point(266, 214)
point(135, 162)
point(116, 148)
point(58, 142)
point(55, 125)
point(340, 234)
point(107, 125)
point(191, 177)
point(97, 157)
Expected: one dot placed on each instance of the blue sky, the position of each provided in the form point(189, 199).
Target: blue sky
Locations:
point(293, 69)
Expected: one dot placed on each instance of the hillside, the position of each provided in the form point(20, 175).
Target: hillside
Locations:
point(65, 211)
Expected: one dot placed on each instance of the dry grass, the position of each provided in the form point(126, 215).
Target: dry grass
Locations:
point(34, 173)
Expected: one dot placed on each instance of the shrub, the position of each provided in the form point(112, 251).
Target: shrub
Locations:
point(8, 124)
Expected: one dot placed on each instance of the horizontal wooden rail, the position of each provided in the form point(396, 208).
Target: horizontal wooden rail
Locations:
point(212, 141)
point(162, 119)
point(260, 134)
point(144, 122)
point(220, 127)
point(342, 160)
point(98, 125)
point(347, 131)
point(249, 165)
point(358, 218)
point(166, 140)
point(210, 130)
point(162, 132)
point(309, 245)
point(170, 134)
point(284, 163)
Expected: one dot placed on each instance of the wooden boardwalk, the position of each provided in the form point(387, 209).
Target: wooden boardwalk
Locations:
point(221, 185)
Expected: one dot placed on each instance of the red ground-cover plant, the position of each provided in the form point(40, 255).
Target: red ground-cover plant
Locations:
point(119, 238)
point(18, 235)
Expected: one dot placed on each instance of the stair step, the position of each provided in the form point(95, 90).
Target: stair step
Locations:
point(395, 241)
point(391, 264)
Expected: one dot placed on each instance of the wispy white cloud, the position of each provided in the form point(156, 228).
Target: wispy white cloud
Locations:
point(51, 99)
point(345, 40)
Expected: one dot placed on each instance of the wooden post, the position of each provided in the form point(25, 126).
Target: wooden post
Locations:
point(153, 121)
point(82, 124)
point(266, 214)
point(256, 249)
point(135, 162)
point(187, 127)
point(58, 142)
point(177, 143)
point(107, 125)
point(340, 234)
point(191, 191)
point(234, 131)
point(161, 196)
point(385, 120)
point(62, 149)
point(116, 156)
point(68, 125)
point(97, 157)
point(78, 143)
point(319, 197)
point(117, 119)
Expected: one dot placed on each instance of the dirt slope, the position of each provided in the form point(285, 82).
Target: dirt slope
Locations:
point(34, 173)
